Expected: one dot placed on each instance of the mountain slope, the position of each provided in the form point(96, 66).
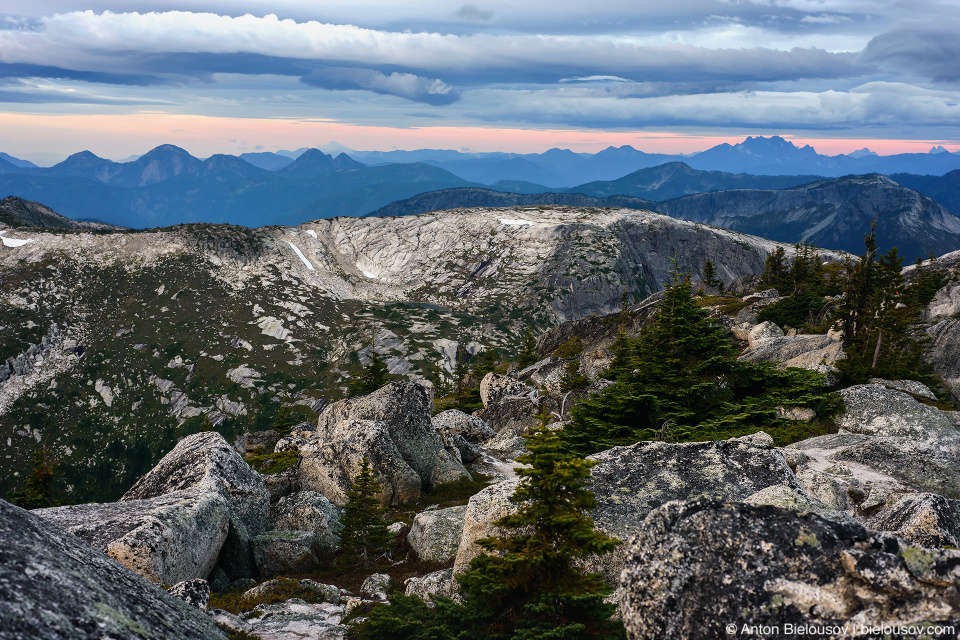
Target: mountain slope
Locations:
point(117, 344)
point(25, 214)
point(676, 179)
point(944, 189)
point(466, 197)
point(834, 213)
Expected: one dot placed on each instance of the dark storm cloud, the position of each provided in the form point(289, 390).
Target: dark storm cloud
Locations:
point(927, 50)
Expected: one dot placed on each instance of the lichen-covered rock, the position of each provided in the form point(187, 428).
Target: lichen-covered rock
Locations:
point(439, 583)
point(822, 487)
point(169, 538)
point(309, 511)
point(458, 447)
point(435, 535)
point(283, 552)
point(508, 443)
point(449, 469)
point(910, 387)
point(294, 619)
point(495, 387)
point(629, 482)
point(328, 592)
point(390, 427)
point(519, 414)
point(472, 428)
point(925, 466)
point(925, 519)
point(54, 586)
point(404, 407)
point(546, 373)
point(786, 497)
point(205, 461)
point(195, 592)
point(329, 465)
point(876, 410)
point(483, 509)
point(377, 586)
point(704, 570)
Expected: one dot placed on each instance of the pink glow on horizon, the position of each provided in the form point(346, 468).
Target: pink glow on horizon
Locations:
point(119, 136)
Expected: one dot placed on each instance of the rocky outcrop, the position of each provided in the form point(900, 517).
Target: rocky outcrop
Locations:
point(518, 414)
point(945, 353)
point(472, 428)
point(707, 570)
point(309, 511)
point(495, 387)
point(435, 535)
point(170, 538)
point(54, 586)
point(377, 586)
point(629, 482)
point(194, 592)
point(205, 461)
point(545, 373)
point(924, 519)
point(945, 303)
point(805, 351)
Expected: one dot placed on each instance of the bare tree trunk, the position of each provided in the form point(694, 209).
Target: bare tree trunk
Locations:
point(876, 352)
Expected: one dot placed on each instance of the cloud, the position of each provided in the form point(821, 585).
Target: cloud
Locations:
point(471, 13)
point(925, 50)
point(405, 85)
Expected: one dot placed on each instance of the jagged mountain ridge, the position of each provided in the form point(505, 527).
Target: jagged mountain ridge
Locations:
point(834, 213)
point(123, 341)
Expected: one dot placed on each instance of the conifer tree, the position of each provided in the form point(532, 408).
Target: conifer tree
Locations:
point(710, 278)
point(572, 377)
point(364, 535)
point(528, 350)
point(531, 588)
point(38, 488)
point(284, 422)
point(371, 377)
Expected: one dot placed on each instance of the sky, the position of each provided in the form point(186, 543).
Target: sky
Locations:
point(675, 76)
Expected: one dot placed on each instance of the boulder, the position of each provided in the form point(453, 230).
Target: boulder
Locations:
point(404, 407)
point(458, 447)
point(205, 461)
point(377, 587)
point(495, 387)
point(309, 511)
point(54, 586)
point(704, 570)
point(877, 410)
point(822, 487)
point(283, 552)
point(483, 509)
point(439, 583)
point(195, 592)
point(519, 414)
point(329, 465)
point(910, 387)
point(435, 535)
point(390, 427)
point(508, 443)
point(328, 592)
point(472, 428)
point(923, 519)
point(448, 467)
point(294, 619)
point(167, 539)
point(785, 497)
point(546, 373)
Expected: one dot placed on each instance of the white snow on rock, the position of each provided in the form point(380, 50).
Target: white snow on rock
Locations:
point(519, 222)
point(13, 242)
point(312, 233)
point(300, 255)
point(372, 276)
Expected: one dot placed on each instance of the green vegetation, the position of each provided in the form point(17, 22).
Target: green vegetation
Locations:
point(528, 350)
point(364, 533)
point(40, 486)
point(284, 589)
point(572, 377)
point(371, 377)
point(879, 316)
point(806, 282)
point(531, 588)
point(680, 380)
point(272, 463)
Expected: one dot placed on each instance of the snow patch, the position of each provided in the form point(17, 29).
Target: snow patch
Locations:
point(300, 255)
point(13, 242)
point(517, 222)
point(372, 276)
point(312, 233)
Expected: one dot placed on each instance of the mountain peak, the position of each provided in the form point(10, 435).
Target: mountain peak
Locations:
point(938, 149)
